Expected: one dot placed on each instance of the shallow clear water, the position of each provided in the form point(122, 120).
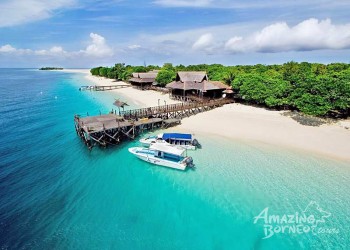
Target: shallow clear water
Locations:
point(55, 194)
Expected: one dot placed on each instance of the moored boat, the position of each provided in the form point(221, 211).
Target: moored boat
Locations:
point(164, 155)
point(179, 139)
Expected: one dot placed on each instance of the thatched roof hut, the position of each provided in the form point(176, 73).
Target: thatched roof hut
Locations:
point(120, 104)
point(196, 83)
point(143, 79)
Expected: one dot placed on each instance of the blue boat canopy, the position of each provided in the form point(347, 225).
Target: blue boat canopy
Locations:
point(177, 136)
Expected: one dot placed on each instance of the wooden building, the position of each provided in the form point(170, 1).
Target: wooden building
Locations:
point(196, 84)
point(143, 80)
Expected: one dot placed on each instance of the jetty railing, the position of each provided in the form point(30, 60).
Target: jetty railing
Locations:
point(103, 87)
point(190, 98)
point(111, 129)
point(159, 111)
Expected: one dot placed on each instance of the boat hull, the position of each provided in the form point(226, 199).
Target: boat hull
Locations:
point(155, 160)
point(147, 142)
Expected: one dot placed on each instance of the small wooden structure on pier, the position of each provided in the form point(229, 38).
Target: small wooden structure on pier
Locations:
point(112, 129)
point(120, 104)
point(103, 87)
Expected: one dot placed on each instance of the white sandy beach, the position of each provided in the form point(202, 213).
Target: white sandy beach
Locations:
point(241, 122)
point(139, 97)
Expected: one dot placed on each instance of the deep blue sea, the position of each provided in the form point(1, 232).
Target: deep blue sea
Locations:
point(56, 194)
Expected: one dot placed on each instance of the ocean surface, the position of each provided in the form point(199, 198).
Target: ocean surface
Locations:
point(56, 194)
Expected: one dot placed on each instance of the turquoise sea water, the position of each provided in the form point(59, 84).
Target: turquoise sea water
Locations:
point(55, 194)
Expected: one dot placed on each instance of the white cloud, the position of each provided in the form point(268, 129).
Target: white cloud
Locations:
point(98, 47)
point(235, 43)
point(57, 50)
point(134, 46)
point(308, 35)
point(247, 38)
point(54, 51)
point(185, 39)
point(7, 48)
point(204, 42)
point(16, 12)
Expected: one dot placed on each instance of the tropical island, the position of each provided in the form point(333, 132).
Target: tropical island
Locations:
point(51, 68)
point(300, 106)
point(311, 88)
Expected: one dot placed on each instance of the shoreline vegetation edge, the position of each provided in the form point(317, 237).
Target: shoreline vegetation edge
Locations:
point(248, 123)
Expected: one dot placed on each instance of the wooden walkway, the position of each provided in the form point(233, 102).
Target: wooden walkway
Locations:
point(112, 129)
point(180, 110)
point(103, 87)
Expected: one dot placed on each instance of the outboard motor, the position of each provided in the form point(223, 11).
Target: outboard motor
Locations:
point(189, 162)
point(196, 143)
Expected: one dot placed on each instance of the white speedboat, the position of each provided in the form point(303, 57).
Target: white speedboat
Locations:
point(163, 155)
point(183, 140)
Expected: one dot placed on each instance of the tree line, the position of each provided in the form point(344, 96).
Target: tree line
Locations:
point(312, 88)
point(120, 71)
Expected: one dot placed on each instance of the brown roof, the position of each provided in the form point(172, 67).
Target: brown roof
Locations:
point(202, 86)
point(145, 75)
point(196, 81)
point(183, 85)
point(149, 77)
point(120, 104)
point(191, 76)
point(142, 80)
point(220, 85)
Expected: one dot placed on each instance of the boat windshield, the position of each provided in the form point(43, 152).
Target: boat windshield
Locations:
point(169, 157)
point(177, 137)
point(145, 151)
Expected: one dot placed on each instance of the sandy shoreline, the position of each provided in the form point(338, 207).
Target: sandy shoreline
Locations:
point(138, 97)
point(240, 122)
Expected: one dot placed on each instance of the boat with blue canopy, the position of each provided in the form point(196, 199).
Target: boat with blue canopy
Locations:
point(187, 141)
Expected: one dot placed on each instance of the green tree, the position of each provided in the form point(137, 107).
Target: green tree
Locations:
point(312, 88)
point(120, 71)
point(251, 88)
point(168, 66)
point(95, 71)
point(112, 74)
point(152, 67)
point(140, 69)
point(229, 76)
point(103, 71)
point(165, 76)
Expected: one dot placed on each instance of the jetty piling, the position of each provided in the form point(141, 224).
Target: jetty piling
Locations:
point(112, 129)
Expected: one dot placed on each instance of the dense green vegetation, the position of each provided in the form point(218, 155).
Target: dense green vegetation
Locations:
point(50, 68)
point(312, 88)
point(120, 72)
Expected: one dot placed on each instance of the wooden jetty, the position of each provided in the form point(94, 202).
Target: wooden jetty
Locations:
point(103, 87)
point(112, 129)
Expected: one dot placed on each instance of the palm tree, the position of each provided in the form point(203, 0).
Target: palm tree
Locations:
point(229, 77)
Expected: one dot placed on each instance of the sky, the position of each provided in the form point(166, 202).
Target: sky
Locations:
point(87, 33)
